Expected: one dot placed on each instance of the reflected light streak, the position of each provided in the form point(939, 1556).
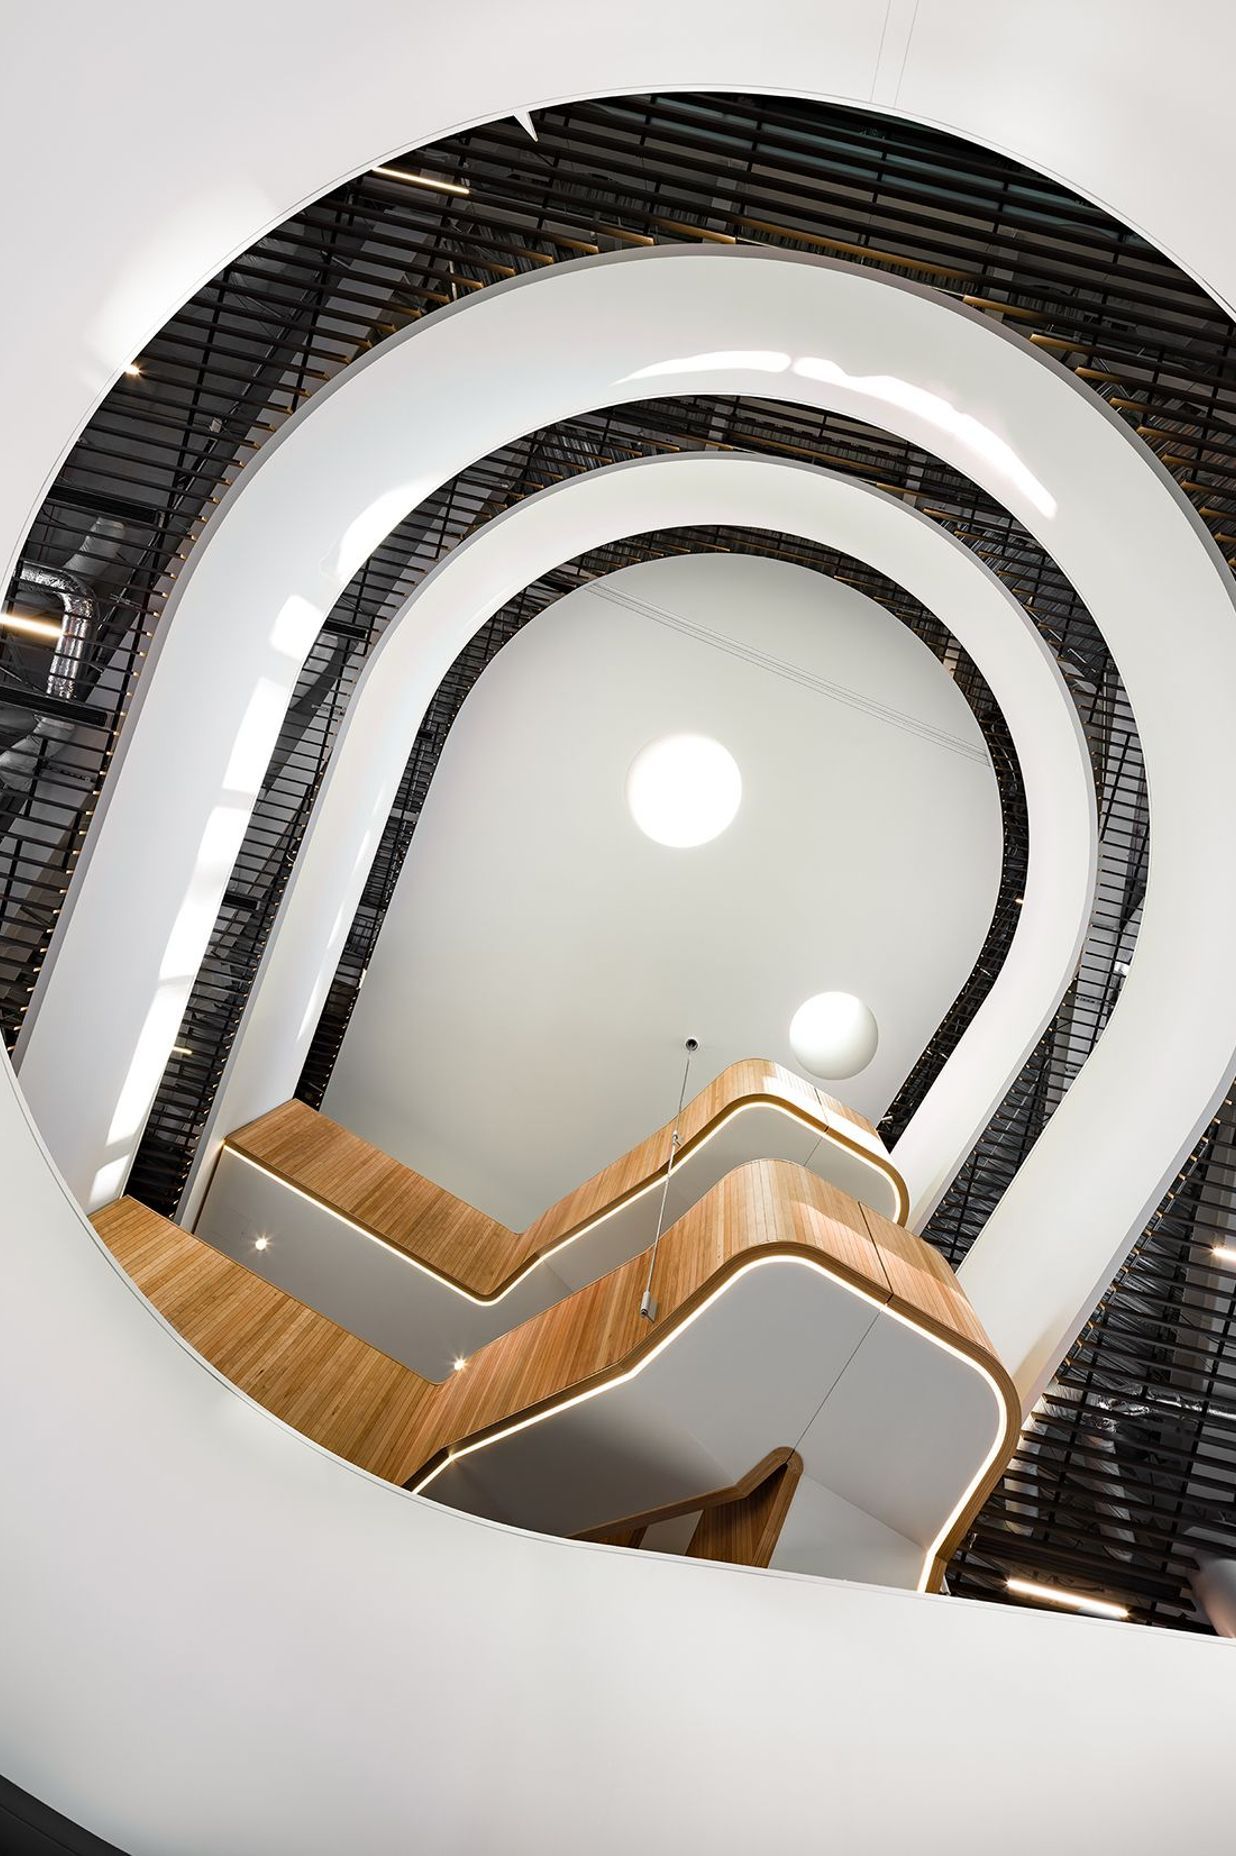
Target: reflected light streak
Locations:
point(167, 268)
point(107, 1182)
point(986, 446)
point(978, 438)
point(369, 529)
point(296, 625)
point(185, 948)
point(760, 360)
point(256, 737)
point(316, 1001)
point(150, 1054)
point(366, 851)
point(221, 840)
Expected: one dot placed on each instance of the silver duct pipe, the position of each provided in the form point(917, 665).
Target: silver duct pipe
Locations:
point(76, 624)
point(71, 584)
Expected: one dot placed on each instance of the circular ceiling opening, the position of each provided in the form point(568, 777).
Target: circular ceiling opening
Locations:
point(834, 1035)
point(684, 790)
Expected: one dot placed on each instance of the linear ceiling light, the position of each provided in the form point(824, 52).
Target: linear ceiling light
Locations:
point(1225, 1253)
point(424, 180)
point(26, 622)
point(1076, 1601)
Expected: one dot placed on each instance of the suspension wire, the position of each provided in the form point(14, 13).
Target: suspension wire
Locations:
point(647, 1307)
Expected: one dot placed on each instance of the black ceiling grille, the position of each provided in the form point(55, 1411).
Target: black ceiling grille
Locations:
point(1127, 1471)
point(1142, 1401)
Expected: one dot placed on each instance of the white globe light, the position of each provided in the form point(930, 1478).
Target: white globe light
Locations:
point(684, 790)
point(834, 1035)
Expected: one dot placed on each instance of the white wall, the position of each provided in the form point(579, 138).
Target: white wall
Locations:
point(731, 319)
point(202, 1622)
point(542, 961)
point(581, 513)
point(306, 108)
point(217, 1637)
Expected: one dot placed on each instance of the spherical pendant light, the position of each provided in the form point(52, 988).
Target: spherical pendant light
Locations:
point(684, 790)
point(834, 1035)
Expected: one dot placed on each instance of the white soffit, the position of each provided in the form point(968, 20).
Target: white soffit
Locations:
point(572, 517)
point(668, 321)
point(263, 1529)
point(542, 960)
point(1002, 77)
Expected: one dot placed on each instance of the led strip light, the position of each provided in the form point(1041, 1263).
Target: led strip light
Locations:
point(1075, 1601)
point(1006, 1428)
point(886, 1172)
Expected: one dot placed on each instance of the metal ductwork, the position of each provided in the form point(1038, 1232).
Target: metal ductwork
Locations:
point(71, 585)
point(76, 624)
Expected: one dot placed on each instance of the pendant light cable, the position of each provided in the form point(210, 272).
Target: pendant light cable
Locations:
point(647, 1307)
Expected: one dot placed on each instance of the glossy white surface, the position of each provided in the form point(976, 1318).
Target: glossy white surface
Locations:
point(541, 961)
point(666, 320)
point(569, 519)
point(256, 1525)
point(217, 1637)
point(307, 110)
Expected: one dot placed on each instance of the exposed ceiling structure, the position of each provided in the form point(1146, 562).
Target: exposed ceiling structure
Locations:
point(539, 940)
point(354, 266)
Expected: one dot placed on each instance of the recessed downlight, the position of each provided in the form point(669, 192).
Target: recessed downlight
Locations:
point(684, 790)
point(834, 1035)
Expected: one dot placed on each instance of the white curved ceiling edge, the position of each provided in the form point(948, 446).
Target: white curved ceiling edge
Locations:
point(664, 321)
point(287, 538)
point(158, 229)
point(181, 1671)
point(83, 1356)
point(570, 518)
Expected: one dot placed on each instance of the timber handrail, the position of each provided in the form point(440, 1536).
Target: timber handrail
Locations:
point(762, 1210)
point(358, 1402)
point(475, 1253)
point(741, 1524)
point(693, 1504)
